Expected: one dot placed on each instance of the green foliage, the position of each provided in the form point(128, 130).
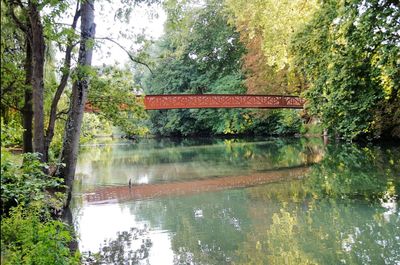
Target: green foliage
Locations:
point(11, 133)
point(201, 53)
point(311, 129)
point(28, 233)
point(266, 28)
point(23, 182)
point(93, 125)
point(276, 122)
point(351, 172)
point(12, 50)
point(349, 53)
point(29, 237)
point(276, 21)
point(113, 94)
point(203, 56)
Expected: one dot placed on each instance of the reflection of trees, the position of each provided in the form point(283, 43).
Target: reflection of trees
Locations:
point(122, 249)
point(351, 172)
point(329, 233)
point(166, 161)
point(334, 215)
point(206, 228)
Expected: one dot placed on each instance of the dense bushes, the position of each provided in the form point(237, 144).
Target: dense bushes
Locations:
point(29, 234)
point(11, 134)
point(23, 182)
point(225, 121)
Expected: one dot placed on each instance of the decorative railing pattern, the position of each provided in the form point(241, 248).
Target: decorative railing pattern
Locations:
point(203, 101)
point(157, 102)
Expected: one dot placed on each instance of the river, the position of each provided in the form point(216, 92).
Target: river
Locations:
point(238, 201)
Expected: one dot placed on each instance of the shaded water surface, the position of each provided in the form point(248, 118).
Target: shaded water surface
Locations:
point(239, 201)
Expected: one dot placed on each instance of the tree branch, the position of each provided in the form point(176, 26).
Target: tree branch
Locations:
point(4, 102)
point(66, 69)
point(127, 52)
point(18, 22)
point(63, 112)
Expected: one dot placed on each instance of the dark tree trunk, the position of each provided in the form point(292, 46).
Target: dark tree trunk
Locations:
point(38, 48)
point(27, 112)
point(79, 94)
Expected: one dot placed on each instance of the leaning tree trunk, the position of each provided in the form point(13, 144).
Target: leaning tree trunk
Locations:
point(79, 94)
point(63, 83)
point(38, 48)
point(27, 112)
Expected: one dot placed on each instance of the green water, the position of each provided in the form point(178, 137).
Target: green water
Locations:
point(319, 204)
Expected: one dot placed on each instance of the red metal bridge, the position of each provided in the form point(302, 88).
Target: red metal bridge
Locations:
point(201, 101)
point(153, 102)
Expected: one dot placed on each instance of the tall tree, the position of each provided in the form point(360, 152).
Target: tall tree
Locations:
point(16, 70)
point(350, 54)
point(200, 53)
point(27, 17)
point(266, 28)
point(79, 96)
point(66, 69)
point(27, 112)
point(37, 44)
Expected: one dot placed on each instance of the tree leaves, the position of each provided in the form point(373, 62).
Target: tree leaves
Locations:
point(351, 61)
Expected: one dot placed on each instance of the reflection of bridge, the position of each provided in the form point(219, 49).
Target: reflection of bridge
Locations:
point(143, 191)
point(190, 101)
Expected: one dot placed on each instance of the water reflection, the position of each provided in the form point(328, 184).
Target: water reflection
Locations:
point(151, 161)
point(342, 210)
point(122, 250)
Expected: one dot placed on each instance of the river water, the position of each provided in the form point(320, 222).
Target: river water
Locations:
point(238, 201)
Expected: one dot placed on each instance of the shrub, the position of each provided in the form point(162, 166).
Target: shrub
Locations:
point(30, 237)
point(23, 181)
point(11, 133)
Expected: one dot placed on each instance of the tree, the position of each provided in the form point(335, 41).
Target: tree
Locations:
point(349, 53)
point(31, 25)
point(200, 53)
point(113, 94)
point(79, 96)
point(16, 60)
point(37, 30)
point(267, 28)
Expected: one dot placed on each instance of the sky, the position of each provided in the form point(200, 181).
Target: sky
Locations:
point(148, 20)
point(144, 19)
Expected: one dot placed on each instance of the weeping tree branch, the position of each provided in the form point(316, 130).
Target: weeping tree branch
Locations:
point(133, 59)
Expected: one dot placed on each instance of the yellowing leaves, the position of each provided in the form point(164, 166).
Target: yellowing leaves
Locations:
point(276, 21)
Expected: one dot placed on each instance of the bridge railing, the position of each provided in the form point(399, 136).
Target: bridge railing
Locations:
point(153, 102)
point(199, 101)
